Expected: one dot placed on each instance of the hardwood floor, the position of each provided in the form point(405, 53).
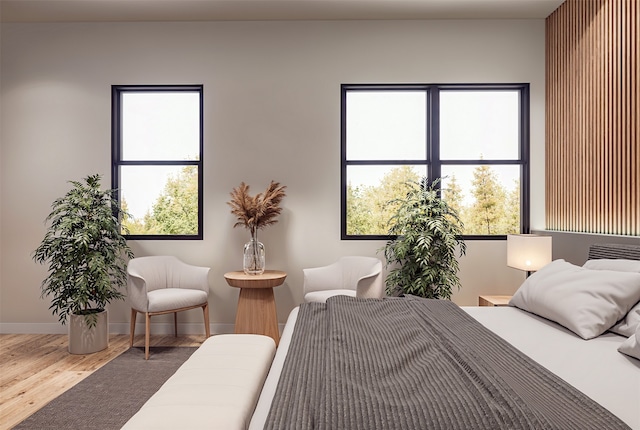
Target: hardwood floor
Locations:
point(36, 368)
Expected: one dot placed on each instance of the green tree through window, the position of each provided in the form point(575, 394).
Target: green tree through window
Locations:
point(175, 210)
point(495, 210)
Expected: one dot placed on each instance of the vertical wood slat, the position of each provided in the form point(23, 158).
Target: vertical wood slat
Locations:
point(593, 117)
point(634, 83)
point(615, 138)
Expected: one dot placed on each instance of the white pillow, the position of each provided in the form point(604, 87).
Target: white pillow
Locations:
point(618, 265)
point(631, 346)
point(587, 302)
point(630, 322)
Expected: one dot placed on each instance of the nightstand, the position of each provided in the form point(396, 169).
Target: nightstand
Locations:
point(494, 300)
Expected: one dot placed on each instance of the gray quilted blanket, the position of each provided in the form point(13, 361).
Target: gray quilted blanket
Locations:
point(410, 363)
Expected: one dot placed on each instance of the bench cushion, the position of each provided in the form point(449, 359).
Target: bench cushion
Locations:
point(216, 388)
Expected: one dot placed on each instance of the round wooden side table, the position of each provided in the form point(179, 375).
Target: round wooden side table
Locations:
point(256, 304)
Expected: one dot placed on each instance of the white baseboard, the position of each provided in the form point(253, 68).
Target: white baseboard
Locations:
point(116, 328)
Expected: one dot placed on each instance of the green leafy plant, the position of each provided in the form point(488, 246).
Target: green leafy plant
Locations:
point(426, 233)
point(85, 251)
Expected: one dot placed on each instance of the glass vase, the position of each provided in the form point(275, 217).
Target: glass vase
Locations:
point(254, 261)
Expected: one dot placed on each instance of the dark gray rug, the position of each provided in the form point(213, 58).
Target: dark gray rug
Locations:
point(111, 395)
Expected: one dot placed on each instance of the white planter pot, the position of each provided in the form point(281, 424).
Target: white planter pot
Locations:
point(86, 340)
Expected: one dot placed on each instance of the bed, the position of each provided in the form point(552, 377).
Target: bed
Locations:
point(541, 364)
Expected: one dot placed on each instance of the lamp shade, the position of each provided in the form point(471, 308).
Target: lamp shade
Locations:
point(528, 252)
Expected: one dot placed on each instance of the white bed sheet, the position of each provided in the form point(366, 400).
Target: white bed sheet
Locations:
point(594, 367)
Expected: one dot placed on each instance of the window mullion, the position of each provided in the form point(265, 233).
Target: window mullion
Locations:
point(433, 134)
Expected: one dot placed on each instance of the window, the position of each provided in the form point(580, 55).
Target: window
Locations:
point(157, 159)
point(473, 138)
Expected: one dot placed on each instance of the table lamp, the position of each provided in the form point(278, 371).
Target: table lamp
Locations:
point(528, 252)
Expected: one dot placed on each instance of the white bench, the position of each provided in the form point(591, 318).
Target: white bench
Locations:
point(216, 388)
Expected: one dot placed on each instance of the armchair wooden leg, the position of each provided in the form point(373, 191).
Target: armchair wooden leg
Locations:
point(146, 334)
point(134, 314)
point(205, 310)
point(175, 324)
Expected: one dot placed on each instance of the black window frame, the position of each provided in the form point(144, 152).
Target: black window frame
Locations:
point(432, 160)
point(116, 152)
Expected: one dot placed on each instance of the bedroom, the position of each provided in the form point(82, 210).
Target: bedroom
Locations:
point(272, 112)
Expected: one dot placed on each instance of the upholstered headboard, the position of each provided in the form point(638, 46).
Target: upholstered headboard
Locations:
point(614, 251)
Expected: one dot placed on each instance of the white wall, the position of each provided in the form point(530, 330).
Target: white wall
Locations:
point(272, 111)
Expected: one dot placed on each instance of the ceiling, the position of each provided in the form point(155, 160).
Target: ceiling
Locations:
point(225, 10)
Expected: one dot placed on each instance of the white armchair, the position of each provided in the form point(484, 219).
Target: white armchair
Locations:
point(352, 276)
point(163, 284)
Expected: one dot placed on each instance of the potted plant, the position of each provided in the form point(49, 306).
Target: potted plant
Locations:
point(426, 233)
point(87, 257)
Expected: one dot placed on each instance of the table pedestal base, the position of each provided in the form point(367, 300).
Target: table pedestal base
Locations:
point(257, 313)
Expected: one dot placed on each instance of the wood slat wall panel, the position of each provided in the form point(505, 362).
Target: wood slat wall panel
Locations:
point(593, 117)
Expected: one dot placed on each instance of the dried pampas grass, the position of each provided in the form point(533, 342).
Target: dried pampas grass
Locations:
point(259, 211)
